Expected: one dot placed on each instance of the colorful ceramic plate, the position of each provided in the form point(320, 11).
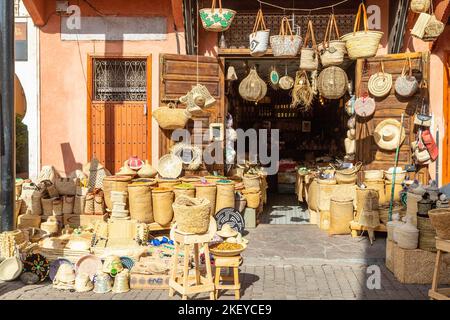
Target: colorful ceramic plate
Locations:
point(54, 266)
point(88, 264)
point(127, 262)
point(38, 264)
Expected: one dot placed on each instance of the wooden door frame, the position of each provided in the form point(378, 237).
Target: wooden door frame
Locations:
point(446, 106)
point(89, 85)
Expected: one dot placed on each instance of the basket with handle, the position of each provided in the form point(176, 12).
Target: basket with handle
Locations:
point(419, 6)
point(362, 44)
point(170, 117)
point(380, 83)
point(332, 52)
point(259, 38)
point(309, 57)
point(285, 44)
point(216, 19)
point(406, 84)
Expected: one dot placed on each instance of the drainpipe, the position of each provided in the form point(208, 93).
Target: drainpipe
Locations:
point(8, 145)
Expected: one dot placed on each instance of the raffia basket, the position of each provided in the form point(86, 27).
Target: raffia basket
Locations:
point(167, 183)
point(362, 44)
point(192, 214)
point(162, 200)
point(332, 82)
point(366, 199)
point(348, 176)
point(208, 191)
point(371, 175)
point(251, 181)
point(114, 183)
point(170, 117)
point(253, 196)
point(419, 6)
point(341, 214)
point(185, 189)
point(440, 220)
point(427, 234)
point(224, 196)
point(140, 201)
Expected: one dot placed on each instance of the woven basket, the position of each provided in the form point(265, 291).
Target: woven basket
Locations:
point(114, 183)
point(348, 176)
point(89, 206)
point(332, 52)
point(140, 201)
point(191, 214)
point(379, 186)
point(224, 196)
point(171, 117)
point(184, 189)
point(216, 19)
point(309, 57)
point(252, 88)
point(190, 179)
point(251, 181)
point(253, 196)
point(68, 202)
point(406, 85)
point(362, 44)
point(397, 189)
point(47, 206)
point(57, 206)
point(285, 44)
point(341, 214)
point(384, 212)
point(167, 183)
point(332, 83)
point(162, 199)
point(419, 6)
point(79, 204)
point(440, 220)
point(427, 234)
point(366, 199)
point(371, 175)
point(380, 83)
point(406, 239)
point(207, 191)
point(259, 38)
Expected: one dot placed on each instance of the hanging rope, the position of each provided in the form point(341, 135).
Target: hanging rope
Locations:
point(298, 9)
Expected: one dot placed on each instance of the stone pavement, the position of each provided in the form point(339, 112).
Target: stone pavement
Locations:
point(281, 262)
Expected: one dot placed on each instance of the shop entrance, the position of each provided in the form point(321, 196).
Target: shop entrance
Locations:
point(307, 136)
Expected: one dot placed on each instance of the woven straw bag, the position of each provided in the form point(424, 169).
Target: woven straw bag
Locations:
point(191, 214)
point(67, 186)
point(309, 57)
point(433, 29)
point(380, 83)
point(114, 183)
point(332, 82)
point(406, 85)
point(332, 52)
point(348, 176)
point(140, 201)
point(365, 106)
point(57, 207)
point(251, 181)
point(253, 196)
point(341, 214)
point(252, 88)
point(259, 38)
point(362, 44)
point(171, 117)
point(208, 191)
point(419, 6)
point(47, 206)
point(216, 20)
point(418, 30)
point(79, 204)
point(162, 200)
point(285, 44)
point(184, 189)
point(224, 196)
point(427, 234)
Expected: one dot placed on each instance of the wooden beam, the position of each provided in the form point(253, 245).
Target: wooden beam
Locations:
point(36, 9)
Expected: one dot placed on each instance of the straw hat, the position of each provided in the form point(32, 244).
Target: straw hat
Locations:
point(112, 265)
point(83, 283)
point(387, 133)
point(10, 269)
point(170, 166)
point(227, 231)
point(102, 283)
point(65, 277)
point(122, 282)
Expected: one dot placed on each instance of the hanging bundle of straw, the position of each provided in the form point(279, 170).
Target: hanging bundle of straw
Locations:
point(302, 93)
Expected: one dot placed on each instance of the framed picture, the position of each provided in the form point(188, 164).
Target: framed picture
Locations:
point(306, 126)
point(216, 131)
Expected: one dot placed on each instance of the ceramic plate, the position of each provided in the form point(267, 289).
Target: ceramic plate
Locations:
point(88, 264)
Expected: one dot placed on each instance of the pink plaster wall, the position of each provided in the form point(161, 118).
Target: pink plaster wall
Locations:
point(63, 74)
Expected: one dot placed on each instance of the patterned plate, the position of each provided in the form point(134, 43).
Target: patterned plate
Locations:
point(127, 262)
point(37, 264)
point(54, 266)
point(88, 264)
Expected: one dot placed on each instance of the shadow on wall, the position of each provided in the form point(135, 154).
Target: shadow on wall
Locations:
point(70, 164)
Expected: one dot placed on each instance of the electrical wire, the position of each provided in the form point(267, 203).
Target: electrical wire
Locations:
point(299, 9)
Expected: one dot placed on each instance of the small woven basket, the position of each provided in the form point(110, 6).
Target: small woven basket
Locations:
point(440, 220)
point(191, 214)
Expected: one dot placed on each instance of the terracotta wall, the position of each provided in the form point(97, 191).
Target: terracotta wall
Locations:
point(63, 76)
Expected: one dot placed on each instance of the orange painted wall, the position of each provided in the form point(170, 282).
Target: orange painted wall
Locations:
point(63, 74)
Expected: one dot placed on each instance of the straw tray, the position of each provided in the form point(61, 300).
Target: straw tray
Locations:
point(227, 253)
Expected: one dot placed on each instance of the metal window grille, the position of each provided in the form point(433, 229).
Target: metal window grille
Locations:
point(120, 80)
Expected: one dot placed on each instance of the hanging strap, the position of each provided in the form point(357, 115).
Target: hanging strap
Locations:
point(313, 38)
point(332, 25)
point(382, 67)
point(213, 6)
point(407, 63)
point(361, 10)
point(285, 28)
point(259, 22)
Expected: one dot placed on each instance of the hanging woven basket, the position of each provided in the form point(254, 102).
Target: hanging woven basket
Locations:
point(380, 83)
point(252, 88)
point(332, 83)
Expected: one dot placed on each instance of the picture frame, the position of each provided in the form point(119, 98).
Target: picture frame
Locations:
point(306, 126)
point(216, 132)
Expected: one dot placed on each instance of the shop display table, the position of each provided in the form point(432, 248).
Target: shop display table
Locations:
point(356, 227)
point(228, 263)
point(442, 293)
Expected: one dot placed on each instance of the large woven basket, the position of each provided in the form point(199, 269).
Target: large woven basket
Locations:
point(170, 117)
point(348, 176)
point(224, 196)
point(332, 52)
point(114, 183)
point(332, 82)
point(253, 196)
point(341, 214)
point(208, 191)
point(140, 201)
point(191, 214)
point(440, 220)
point(362, 44)
point(427, 234)
point(162, 200)
point(251, 181)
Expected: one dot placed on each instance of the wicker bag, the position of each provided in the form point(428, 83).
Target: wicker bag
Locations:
point(364, 106)
point(89, 206)
point(440, 219)
point(362, 44)
point(380, 83)
point(162, 200)
point(208, 191)
point(192, 214)
point(252, 88)
point(419, 6)
point(341, 214)
point(67, 186)
point(224, 196)
point(170, 117)
point(418, 31)
point(68, 204)
point(140, 201)
point(309, 57)
point(259, 38)
point(216, 20)
point(332, 52)
point(99, 202)
point(348, 176)
point(285, 44)
point(332, 83)
point(433, 29)
point(406, 85)
point(253, 196)
point(114, 183)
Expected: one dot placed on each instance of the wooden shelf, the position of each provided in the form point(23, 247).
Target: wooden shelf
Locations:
point(245, 52)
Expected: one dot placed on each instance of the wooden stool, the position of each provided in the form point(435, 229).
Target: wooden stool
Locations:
point(228, 262)
point(181, 283)
point(434, 292)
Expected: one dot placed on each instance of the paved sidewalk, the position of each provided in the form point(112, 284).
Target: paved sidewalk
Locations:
point(281, 262)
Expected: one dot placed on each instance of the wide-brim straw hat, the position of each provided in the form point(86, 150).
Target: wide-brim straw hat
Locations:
point(10, 269)
point(83, 283)
point(227, 231)
point(65, 274)
point(387, 133)
point(170, 166)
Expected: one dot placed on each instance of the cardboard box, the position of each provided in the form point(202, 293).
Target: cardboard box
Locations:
point(417, 266)
point(149, 281)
